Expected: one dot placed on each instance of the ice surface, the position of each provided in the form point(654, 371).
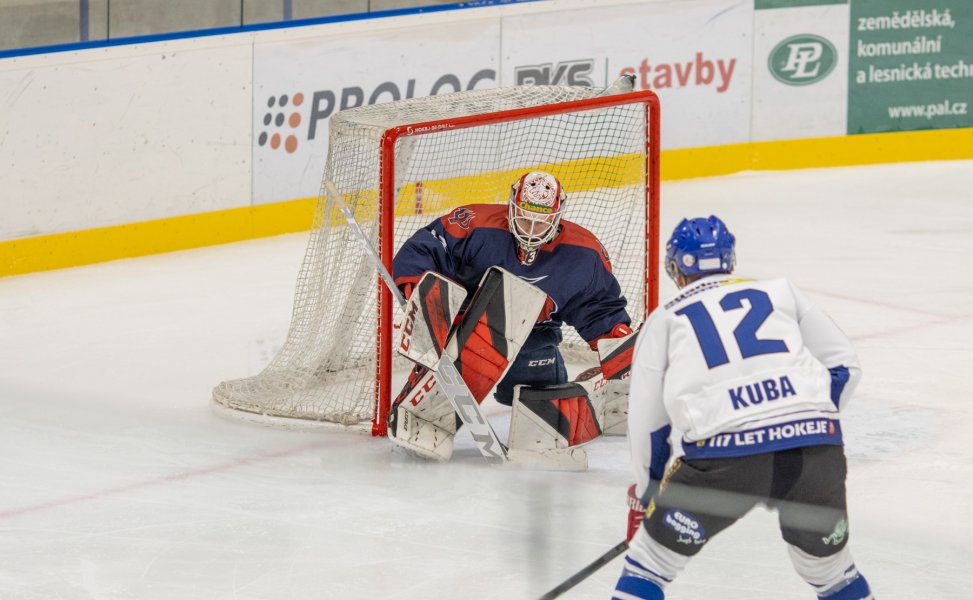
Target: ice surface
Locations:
point(118, 481)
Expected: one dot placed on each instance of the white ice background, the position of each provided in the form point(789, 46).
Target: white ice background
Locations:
point(118, 481)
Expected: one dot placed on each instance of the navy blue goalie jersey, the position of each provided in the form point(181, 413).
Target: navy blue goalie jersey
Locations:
point(573, 269)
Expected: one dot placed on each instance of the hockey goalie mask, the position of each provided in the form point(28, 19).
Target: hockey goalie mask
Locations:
point(536, 204)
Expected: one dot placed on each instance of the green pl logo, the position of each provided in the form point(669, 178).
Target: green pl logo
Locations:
point(802, 59)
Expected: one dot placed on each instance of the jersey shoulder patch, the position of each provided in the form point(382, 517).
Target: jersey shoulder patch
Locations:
point(463, 220)
point(573, 234)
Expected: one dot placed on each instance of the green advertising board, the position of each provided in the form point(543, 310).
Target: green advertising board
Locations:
point(910, 65)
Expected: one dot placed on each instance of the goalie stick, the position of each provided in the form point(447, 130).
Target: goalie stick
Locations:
point(446, 374)
point(584, 573)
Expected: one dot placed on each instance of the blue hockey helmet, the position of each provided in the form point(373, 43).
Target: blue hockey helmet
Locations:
point(700, 246)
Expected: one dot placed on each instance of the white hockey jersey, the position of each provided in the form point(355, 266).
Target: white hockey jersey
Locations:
point(736, 367)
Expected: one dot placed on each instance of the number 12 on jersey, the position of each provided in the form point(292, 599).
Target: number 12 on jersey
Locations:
point(745, 333)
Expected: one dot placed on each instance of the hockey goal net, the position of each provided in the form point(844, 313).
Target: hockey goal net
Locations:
point(402, 164)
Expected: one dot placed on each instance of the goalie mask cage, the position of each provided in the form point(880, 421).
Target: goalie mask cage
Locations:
point(400, 165)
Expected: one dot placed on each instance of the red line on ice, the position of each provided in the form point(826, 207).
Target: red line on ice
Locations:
point(11, 512)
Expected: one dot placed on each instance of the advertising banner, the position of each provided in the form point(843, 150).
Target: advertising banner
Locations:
point(695, 54)
point(299, 84)
point(800, 59)
point(911, 65)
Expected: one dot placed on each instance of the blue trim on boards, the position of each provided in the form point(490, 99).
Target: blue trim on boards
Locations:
point(181, 35)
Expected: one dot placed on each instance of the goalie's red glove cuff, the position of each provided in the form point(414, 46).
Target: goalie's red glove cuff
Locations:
point(618, 331)
point(406, 285)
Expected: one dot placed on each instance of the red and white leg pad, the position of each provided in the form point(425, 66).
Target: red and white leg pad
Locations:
point(548, 425)
point(481, 346)
point(422, 419)
point(427, 319)
point(552, 421)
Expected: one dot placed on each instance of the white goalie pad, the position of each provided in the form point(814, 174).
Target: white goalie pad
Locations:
point(478, 353)
point(552, 417)
point(550, 423)
point(423, 420)
point(428, 318)
point(498, 320)
point(613, 382)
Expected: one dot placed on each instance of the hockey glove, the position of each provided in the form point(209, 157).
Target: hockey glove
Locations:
point(636, 512)
point(618, 331)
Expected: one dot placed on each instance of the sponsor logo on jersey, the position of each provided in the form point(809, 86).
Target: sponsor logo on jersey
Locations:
point(769, 435)
point(838, 534)
point(540, 362)
point(533, 280)
point(767, 390)
point(802, 59)
point(462, 217)
point(690, 530)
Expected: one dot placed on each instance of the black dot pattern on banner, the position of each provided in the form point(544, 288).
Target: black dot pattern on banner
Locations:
point(283, 100)
point(270, 102)
point(268, 118)
point(279, 120)
point(262, 139)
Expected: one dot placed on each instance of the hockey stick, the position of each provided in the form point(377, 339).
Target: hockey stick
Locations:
point(335, 195)
point(584, 573)
point(446, 374)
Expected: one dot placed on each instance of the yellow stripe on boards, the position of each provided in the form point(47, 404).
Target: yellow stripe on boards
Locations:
point(59, 250)
point(843, 151)
point(45, 252)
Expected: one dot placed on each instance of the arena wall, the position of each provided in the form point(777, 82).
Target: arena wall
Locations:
point(131, 147)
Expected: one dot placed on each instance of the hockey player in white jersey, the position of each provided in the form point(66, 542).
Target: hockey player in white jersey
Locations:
point(749, 377)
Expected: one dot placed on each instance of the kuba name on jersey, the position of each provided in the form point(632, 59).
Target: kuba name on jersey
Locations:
point(776, 388)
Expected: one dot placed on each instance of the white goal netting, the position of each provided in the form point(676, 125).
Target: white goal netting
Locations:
point(327, 367)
